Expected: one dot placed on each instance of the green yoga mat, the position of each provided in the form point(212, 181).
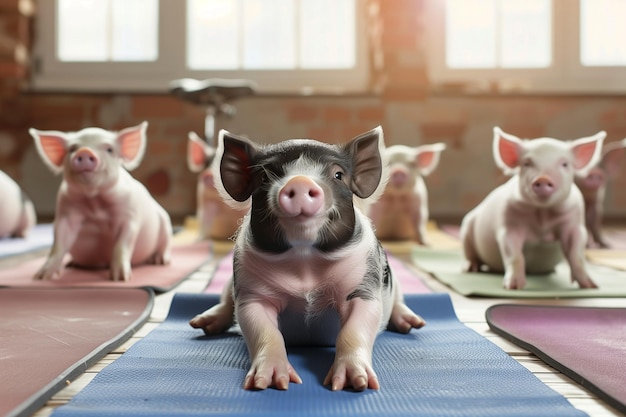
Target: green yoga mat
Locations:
point(448, 267)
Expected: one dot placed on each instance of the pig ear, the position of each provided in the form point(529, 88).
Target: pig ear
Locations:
point(132, 145)
point(367, 163)
point(199, 153)
point(427, 157)
point(507, 149)
point(235, 155)
point(612, 156)
point(587, 151)
point(51, 146)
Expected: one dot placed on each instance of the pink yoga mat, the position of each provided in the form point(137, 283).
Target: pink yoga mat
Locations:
point(410, 282)
point(587, 344)
point(186, 258)
point(49, 336)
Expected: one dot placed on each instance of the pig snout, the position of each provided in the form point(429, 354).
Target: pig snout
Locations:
point(301, 196)
point(543, 187)
point(398, 177)
point(595, 179)
point(84, 160)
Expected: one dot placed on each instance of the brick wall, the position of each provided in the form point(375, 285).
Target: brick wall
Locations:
point(400, 101)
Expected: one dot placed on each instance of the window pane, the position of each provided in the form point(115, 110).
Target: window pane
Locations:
point(82, 29)
point(327, 33)
point(269, 34)
point(470, 33)
point(526, 40)
point(135, 30)
point(107, 30)
point(498, 33)
point(602, 32)
point(212, 34)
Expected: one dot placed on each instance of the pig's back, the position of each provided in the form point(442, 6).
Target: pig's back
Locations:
point(11, 205)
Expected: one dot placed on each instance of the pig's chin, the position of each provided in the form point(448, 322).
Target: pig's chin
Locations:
point(86, 178)
point(301, 229)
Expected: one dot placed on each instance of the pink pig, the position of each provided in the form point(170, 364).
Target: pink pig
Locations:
point(104, 217)
point(17, 212)
point(218, 221)
point(308, 268)
point(527, 224)
point(402, 211)
point(593, 187)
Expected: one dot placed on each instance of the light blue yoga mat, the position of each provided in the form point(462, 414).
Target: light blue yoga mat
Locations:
point(39, 237)
point(444, 369)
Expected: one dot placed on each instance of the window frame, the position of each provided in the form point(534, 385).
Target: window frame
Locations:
point(50, 74)
point(566, 75)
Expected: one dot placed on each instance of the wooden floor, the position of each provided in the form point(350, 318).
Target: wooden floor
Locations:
point(470, 311)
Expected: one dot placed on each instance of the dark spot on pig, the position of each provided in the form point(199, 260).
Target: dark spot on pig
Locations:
point(377, 274)
point(266, 234)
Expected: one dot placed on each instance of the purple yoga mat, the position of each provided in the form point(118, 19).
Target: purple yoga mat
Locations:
point(585, 343)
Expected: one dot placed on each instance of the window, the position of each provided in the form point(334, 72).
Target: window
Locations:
point(528, 45)
point(141, 45)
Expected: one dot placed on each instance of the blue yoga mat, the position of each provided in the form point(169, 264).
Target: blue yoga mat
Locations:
point(39, 237)
point(444, 369)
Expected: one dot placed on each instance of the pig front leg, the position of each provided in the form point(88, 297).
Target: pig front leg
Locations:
point(361, 322)
point(420, 220)
point(511, 242)
point(573, 239)
point(594, 224)
point(270, 367)
point(65, 232)
point(120, 268)
point(220, 317)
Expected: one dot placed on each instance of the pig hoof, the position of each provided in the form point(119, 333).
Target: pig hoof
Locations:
point(215, 320)
point(121, 274)
point(160, 259)
point(346, 374)
point(264, 375)
point(403, 319)
point(587, 284)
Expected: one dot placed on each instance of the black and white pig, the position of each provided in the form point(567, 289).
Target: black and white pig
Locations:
point(104, 217)
point(304, 251)
point(529, 223)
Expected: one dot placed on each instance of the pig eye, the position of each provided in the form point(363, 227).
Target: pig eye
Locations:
point(73, 148)
point(339, 175)
point(565, 164)
point(109, 149)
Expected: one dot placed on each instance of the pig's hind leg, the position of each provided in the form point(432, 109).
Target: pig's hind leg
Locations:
point(403, 319)
point(162, 255)
point(474, 263)
point(218, 318)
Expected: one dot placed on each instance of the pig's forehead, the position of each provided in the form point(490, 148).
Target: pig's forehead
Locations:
point(301, 149)
point(400, 154)
point(92, 135)
point(547, 146)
